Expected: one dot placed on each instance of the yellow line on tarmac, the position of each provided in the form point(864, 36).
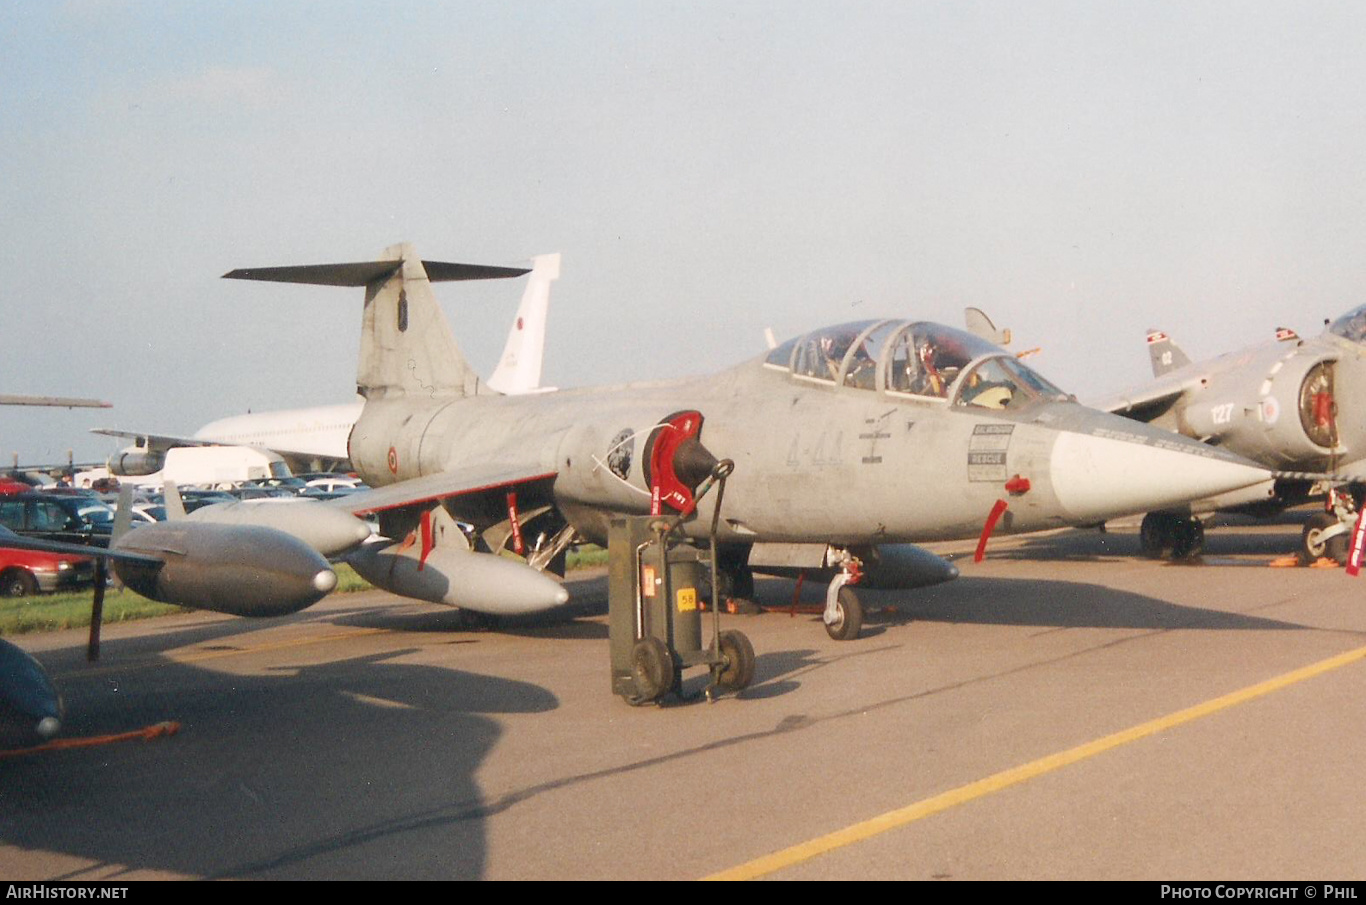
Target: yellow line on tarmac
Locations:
point(902, 816)
point(199, 656)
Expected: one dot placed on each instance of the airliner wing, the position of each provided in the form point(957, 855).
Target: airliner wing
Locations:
point(154, 441)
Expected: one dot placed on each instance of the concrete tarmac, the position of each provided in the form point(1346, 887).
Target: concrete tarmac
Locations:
point(1064, 710)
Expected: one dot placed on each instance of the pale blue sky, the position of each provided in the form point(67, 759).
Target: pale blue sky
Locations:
point(1079, 170)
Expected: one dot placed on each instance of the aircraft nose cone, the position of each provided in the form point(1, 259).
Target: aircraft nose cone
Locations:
point(1103, 477)
point(48, 727)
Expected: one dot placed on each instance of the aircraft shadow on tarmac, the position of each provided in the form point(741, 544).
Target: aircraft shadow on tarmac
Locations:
point(563, 623)
point(1226, 535)
point(1036, 602)
point(360, 767)
point(1094, 546)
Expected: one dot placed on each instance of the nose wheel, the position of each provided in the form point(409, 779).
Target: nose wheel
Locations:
point(844, 620)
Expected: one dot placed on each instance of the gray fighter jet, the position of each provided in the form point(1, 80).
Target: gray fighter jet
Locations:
point(850, 443)
point(1291, 404)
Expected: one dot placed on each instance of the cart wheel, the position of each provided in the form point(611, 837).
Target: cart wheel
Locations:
point(846, 626)
point(738, 669)
point(652, 669)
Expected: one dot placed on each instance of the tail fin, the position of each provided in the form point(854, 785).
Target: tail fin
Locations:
point(406, 346)
point(519, 368)
point(1165, 355)
point(123, 514)
point(175, 504)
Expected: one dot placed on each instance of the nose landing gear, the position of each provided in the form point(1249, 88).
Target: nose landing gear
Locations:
point(843, 616)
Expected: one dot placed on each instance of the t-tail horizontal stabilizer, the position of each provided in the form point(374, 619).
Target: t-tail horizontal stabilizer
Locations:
point(367, 272)
point(406, 348)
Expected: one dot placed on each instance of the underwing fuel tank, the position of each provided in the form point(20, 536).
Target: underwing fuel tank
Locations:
point(327, 530)
point(30, 708)
point(244, 570)
point(482, 582)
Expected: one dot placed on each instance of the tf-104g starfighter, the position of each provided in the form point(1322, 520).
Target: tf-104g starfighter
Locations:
point(850, 444)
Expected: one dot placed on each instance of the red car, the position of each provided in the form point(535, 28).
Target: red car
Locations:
point(25, 572)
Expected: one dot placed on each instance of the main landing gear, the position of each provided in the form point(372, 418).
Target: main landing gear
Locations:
point(1324, 537)
point(1170, 535)
point(736, 581)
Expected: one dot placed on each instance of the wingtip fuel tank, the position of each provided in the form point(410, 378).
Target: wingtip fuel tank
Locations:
point(30, 708)
point(244, 570)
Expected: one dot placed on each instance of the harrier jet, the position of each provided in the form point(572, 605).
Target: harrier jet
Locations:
point(1294, 405)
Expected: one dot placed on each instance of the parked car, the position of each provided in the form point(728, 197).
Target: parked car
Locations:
point(331, 482)
point(24, 572)
point(147, 513)
point(69, 519)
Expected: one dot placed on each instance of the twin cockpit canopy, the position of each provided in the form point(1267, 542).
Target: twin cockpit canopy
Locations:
point(913, 359)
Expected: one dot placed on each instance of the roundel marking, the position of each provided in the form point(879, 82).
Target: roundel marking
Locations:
point(393, 461)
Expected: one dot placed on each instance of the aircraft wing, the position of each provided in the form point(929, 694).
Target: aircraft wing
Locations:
point(1150, 400)
point(155, 441)
point(480, 484)
point(55, 401)
point(18, 542)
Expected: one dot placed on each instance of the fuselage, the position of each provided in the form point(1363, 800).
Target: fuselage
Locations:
point(319, 431)
point(843, 459)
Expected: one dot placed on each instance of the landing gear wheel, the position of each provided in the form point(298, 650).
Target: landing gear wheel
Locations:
point(1155, 536)
point(736, 578)
point(17, 584)
point(652, 670)
point(1313, 546)
point(738, 670)
point(1188, 537)
point(850, 619)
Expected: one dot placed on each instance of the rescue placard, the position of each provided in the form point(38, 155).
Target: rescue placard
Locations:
point(987, 452)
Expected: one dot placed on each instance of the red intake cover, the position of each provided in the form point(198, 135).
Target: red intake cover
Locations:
point(660, 450)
